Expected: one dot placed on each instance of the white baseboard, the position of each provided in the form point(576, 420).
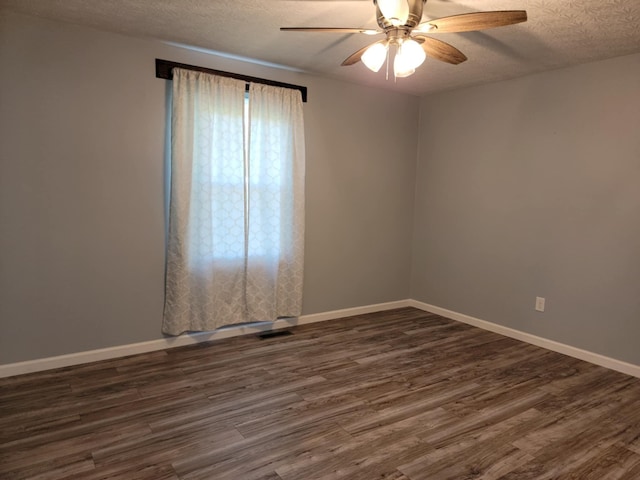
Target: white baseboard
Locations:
point(49, 363)
point(595, 358)
point(38, 365)
point(349, 312)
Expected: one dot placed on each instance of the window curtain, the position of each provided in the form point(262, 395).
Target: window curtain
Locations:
point(236, 214)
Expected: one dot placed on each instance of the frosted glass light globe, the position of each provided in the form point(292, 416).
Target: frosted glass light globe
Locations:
point(395, 11)
point(374, 56)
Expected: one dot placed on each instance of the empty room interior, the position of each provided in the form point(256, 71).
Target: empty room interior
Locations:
point(455, 287)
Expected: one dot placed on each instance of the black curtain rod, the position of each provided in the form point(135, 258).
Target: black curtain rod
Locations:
point(164, 69)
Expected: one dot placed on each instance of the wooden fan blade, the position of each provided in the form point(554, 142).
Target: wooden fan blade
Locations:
point(469, 22)
point(355, 57)
point(366, 31)
point(441, 50)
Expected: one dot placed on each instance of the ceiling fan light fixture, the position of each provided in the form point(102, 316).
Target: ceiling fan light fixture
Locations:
point(395, 11)
point(400, 21)
point(374, 56)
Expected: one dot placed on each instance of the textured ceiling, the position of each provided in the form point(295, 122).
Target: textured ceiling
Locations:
point(558, 33)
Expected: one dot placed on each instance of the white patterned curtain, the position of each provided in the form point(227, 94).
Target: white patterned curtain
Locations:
point(236, 216)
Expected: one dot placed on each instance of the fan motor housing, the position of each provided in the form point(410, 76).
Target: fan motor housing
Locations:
point(397, 35)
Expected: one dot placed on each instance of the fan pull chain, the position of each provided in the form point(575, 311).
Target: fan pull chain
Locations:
point(395, 79)
point(387, 62)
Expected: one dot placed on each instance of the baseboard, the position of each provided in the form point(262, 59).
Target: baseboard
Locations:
point(49, 363)
point(350, 312)
point(595, 358)
point(30, 366)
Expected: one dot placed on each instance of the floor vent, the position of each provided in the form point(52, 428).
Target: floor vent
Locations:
point(275, 333)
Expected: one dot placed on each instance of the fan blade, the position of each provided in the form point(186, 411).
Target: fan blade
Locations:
point(441, 50)
point(355, 57)
point(469, 22)
point(366, 31)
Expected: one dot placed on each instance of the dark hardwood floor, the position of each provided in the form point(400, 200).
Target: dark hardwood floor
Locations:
point(397, 395)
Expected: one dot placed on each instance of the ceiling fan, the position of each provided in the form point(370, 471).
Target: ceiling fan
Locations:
point(400, 21)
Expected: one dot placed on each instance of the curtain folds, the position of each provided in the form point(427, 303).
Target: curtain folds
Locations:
point(236, 215)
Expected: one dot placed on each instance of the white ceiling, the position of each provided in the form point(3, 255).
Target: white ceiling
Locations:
point(558, 33)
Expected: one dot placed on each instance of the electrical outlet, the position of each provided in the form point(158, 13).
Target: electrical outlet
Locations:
point(540, 304)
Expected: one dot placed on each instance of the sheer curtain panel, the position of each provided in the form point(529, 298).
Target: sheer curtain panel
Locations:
point(236, 216)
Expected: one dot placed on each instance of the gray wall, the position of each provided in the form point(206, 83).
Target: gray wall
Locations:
point(82, 124)
point(531, 187)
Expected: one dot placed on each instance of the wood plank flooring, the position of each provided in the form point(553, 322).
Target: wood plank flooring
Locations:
point(396, 395)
